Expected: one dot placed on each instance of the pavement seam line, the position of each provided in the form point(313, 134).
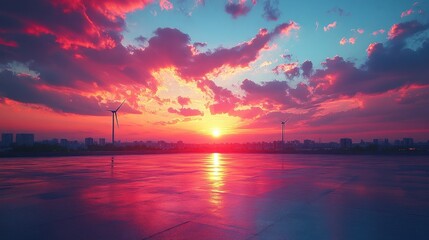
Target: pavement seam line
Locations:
point(165, 230)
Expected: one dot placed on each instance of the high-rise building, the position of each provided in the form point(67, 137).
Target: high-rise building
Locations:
point(89, 141)
point(102, 141)
point(408, 142)
point(24, 139)
point(6, 139)
point(345, 143)
point(64, 142)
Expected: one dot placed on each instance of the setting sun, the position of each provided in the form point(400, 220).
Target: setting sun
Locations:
point(216, 132)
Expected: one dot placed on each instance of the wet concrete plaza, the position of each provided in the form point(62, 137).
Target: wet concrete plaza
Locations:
point(215, 196)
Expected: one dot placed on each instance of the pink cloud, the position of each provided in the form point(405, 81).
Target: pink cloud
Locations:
point(360, 30)
point(414, 9)
point(330, 26)
point(237, 56)
point(407, 13)
point(380, 31)
point(290, 70)
point(224, 101)
point(373, 47)
point(401, 30)
point(187, 112)
point(286, 28)
point(165, 5)
point(89, 24)
point(183, 100)
point(8, 43)
point(247, 113)
point(344, 40)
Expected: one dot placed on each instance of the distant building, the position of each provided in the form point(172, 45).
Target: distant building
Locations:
point(64, 142)
point(309, 143)
point(6, 139)
point(180, 145)
point(345, 143)
point(408, 142)
point(381, 141)
point(24, 139)
point(89, 141)
point(102, 141)
point(74, 145)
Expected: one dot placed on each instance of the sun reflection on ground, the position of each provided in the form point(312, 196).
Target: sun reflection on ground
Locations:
point(215, 175)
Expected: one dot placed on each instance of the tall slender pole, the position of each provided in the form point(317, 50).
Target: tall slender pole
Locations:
point(283, 126)
point(113, 128)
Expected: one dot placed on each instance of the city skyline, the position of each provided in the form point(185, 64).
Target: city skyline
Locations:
point(215, 71)
point(9, 138)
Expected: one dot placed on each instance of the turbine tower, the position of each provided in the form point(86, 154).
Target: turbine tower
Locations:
point(283, 130)
point(115, 115)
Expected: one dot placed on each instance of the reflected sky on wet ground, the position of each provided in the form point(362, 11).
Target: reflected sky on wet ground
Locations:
point(215, 196)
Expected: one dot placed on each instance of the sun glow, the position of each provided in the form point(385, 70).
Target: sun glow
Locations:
point(216, 132)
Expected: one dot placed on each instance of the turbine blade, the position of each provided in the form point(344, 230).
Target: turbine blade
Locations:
point(117, 122)
point(120, 106)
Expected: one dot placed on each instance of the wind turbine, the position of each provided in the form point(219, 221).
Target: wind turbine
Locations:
point(115, 115)
point(283, 129)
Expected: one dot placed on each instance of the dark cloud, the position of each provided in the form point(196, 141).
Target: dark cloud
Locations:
point(25, 89)
point(401, 31)
point(237, 9)
point(271, 10)
point(307, 68)
point(141, 39)
point(339, 11)
point(290, 70)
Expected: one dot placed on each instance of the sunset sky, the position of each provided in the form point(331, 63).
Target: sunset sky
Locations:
point(187, 68)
